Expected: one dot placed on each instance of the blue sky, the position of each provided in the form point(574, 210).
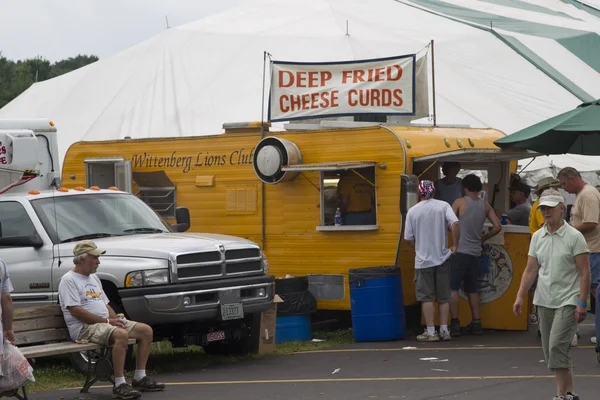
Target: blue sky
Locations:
point(57, 29)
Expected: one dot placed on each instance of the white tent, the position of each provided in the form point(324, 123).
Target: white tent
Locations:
point(191, 79)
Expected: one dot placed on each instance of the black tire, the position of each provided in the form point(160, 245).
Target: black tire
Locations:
point(246, 345)
point(291, 285)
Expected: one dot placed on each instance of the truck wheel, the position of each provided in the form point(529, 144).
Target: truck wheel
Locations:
point(247, 344)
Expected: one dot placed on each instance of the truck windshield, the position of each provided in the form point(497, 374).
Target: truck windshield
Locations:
point(88, 216)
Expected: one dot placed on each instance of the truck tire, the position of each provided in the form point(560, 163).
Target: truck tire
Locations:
point(291, 285)
point(246, 345)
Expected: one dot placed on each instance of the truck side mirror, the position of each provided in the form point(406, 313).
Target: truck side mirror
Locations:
point(22, 241)
point(182, 216)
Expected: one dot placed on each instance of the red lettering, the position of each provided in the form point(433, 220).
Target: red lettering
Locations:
point(313, 79)
point(335, 98)
point(398, 98)
point(358, 76)
point(379, 74)
point(390, 72)
point(375, 101)
point(346, 75)
point(325, 76)
point(351, 100)
point(282, 106)
point(282, 75)
point(314, 97)
point(305, 101)
point(300, 79)
point(295, 103)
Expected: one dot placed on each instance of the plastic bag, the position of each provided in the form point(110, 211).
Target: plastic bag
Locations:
point(15, 370)
point(300, 303)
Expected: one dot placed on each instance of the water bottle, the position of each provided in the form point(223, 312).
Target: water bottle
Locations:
point(121, 317)
point(338, 217)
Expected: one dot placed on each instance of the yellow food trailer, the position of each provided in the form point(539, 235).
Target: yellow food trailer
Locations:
point(279, 190)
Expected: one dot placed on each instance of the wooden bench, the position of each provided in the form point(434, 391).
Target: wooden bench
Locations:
point(42, 332)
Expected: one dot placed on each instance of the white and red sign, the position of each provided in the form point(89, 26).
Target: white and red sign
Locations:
point(308, 90)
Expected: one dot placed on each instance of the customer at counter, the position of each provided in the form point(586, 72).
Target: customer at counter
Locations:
point(519, 194)
point(427, 225)
point(471, 211)
point(449, 188)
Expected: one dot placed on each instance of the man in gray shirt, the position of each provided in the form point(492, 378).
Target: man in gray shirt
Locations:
point(519, 194)
point(471, 211)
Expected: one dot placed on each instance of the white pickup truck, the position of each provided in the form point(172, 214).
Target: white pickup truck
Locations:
point(192, 288)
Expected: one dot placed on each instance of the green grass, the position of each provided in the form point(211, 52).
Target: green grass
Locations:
point(52, 373)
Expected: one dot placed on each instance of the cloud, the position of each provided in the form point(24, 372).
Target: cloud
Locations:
point(58, 29)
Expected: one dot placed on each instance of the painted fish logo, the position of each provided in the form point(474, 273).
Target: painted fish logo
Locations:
point(495, 274)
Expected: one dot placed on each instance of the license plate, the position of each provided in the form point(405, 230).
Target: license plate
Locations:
point(215, 336)
point(232, 311)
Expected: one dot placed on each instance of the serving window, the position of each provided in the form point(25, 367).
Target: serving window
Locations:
point(350, 186)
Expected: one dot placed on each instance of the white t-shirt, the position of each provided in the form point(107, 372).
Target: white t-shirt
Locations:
point(427, 224)
point(79, 290)
point(7, 287)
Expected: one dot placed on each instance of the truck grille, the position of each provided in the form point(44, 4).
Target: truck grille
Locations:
point(210, 265)
point(242, 253)
point(238, 268)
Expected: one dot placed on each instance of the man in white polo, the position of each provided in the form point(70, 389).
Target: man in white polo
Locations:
point(558, 255)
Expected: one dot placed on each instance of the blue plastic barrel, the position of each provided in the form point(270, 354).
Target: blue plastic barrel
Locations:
point(377, 304)
point(293, 329)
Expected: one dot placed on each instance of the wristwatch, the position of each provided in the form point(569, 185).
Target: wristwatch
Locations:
point(582, 304)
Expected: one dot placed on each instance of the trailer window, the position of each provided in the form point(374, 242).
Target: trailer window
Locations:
point(353, 191)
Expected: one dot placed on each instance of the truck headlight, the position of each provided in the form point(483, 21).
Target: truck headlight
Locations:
point(265, 264)
point(147, 278)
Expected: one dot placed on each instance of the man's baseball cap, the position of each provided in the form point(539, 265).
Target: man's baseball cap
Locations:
point(522, 187)
point(87, 247)
point(551, 200)
point(546, 183)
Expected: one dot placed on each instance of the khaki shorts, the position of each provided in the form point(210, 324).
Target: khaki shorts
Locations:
point(100, 333)
point(433, 283)
point(557, 327)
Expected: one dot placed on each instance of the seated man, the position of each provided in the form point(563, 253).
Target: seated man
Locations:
point(89, 317)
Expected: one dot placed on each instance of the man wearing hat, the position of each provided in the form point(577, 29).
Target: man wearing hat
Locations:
point(536, 219)
point(427, 225)
point(558, 256)
point(519, 194)
point(89, 317)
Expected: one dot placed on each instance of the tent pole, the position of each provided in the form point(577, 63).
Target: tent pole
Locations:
point(433, 83)
point(262, 135)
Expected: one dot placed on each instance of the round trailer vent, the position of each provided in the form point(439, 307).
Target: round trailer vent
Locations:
point(272, 154)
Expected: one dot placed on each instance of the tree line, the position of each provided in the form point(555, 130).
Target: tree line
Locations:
point(17, 76)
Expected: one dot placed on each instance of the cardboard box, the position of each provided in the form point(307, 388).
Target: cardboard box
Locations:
point(268, 324)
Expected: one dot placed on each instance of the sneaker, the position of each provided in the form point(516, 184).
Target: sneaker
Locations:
point(428, 337)
point(455, 328)
point(559, 398)
point(574, 341)
point(571, 396)
point(125, 392)
point(445, 336)
point(474, 328)
point(147, 385)
point(593, 340)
